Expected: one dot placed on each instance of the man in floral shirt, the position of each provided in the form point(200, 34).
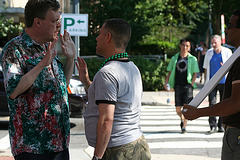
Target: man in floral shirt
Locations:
point(35, 81)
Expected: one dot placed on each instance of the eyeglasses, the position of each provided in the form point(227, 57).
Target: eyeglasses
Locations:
point(55, 22)
point(229, 26)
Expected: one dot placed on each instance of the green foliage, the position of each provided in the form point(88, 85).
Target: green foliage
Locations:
point(93, 65)
point(99, 11)
point(8, 28)
point(153, 72)
point(169, 21)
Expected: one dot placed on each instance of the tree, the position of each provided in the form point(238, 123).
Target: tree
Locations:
point(225, 7)
point(100, 10)
point(157, 26)
point(170, 20)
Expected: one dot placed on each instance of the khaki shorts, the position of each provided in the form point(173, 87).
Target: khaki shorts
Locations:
point(136, 150)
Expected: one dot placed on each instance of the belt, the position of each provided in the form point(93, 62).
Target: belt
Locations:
point(226, 127)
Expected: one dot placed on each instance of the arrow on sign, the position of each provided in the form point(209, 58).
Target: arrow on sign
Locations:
point(79, 21)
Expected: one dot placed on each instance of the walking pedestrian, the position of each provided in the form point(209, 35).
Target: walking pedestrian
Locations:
point(182, 73)
point(214, 59)
point(201, 55)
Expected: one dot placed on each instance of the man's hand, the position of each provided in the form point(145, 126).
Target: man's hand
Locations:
point(166, 87)
point(68, 46)
point(190, 112)
point(50, 54)
point(83, 72)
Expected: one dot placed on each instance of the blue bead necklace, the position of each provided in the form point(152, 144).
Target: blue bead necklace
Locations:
point(116, 56)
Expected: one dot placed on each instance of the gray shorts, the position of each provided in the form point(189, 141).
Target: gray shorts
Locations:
point(183, 94)
point(136, 150)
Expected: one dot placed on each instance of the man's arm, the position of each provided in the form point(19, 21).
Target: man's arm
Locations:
point(205, 74)
point(69, 52)
point(194, 78)
point(166, 81)
point(104, 128)
point(68, 69)
point(28, 79)
point(83, 72)
point(226, 107)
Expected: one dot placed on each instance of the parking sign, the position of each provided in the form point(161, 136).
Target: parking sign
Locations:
point(75, 24)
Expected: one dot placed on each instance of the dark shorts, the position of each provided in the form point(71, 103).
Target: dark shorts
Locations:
point(136, 150)
point(183, 94)
point(231, 146)
point(63, 155)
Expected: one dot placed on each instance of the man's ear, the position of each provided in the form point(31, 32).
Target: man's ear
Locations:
point(37, 22)
point(108, 37)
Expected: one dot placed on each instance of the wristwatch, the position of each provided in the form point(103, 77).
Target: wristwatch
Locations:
point(95, 158)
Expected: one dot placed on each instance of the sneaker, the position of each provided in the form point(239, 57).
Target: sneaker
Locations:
point(213, 130)
point(181, 124)
point(184, 131)
point(221, 129)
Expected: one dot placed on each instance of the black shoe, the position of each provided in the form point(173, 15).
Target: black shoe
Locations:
point(184, 131)
point(181, 124)
point(213, 130)
point(221, 129)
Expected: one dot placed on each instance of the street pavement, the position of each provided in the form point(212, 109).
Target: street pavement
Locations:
point(161, 127)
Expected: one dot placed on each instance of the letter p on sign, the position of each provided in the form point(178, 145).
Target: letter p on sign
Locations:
point(68, 22)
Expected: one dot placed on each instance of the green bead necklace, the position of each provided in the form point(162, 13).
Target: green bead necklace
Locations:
point(116, 56)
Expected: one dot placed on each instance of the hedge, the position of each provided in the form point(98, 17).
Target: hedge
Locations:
point(153, 71)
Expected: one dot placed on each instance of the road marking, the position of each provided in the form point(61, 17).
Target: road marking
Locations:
point(185, 144)
point(168, 136)
point(161, 128)
point(5, 144)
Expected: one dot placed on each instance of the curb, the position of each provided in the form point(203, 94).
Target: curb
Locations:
point(154, 104)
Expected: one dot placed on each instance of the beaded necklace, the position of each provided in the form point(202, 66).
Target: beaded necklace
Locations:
point(116, 56)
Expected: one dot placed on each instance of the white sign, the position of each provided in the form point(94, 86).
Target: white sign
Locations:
point(75, 24)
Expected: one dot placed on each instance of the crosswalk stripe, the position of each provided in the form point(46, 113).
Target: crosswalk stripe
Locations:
point(5, 144)
point(173, 128)
point(190, 144)
point(161, 128)
point(179, 136)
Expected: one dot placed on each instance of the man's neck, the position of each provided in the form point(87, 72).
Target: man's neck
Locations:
point(33, 36)
point(183, 54)
point(113, 52)
point(218, 50)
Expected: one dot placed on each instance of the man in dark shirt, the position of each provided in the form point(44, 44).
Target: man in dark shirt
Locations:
point(229, 108)
point(182, 73)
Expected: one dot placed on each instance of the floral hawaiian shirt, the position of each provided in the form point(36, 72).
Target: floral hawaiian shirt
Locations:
point(39, 117)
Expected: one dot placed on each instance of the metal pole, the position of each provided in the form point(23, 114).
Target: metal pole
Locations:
point(222, 29)
point(76, 6)
point(210, 23)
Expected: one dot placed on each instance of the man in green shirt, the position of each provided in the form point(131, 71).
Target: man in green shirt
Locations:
point(182, 73)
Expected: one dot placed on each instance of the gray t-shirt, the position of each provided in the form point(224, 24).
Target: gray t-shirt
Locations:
point(116, 83)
